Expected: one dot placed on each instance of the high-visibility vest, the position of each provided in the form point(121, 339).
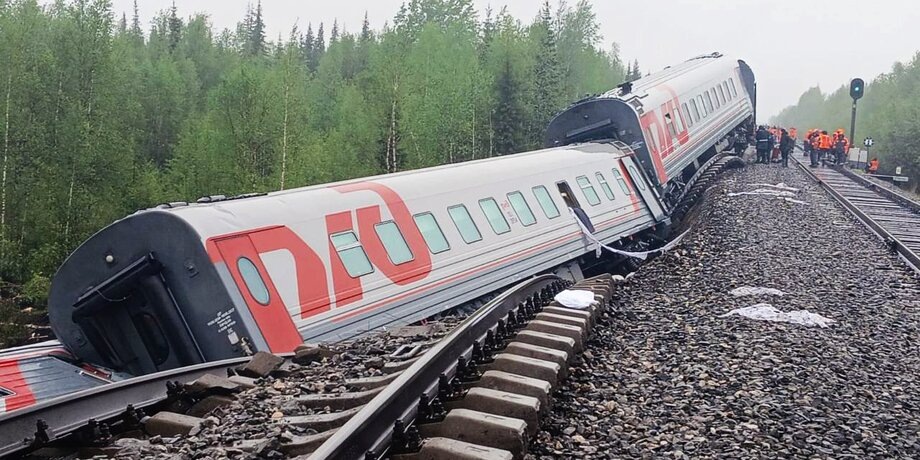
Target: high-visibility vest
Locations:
point(873, 166)
point(824, 142)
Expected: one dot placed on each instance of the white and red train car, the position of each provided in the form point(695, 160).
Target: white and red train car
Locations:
point(672, 119)
point(188, 283)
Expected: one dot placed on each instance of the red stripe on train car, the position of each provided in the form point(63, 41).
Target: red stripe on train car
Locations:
point(12, 380)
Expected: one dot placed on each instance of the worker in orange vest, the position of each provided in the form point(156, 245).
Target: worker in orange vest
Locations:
point(824, 146)
point(872, 168)
point(841, 147)
point(806, 142)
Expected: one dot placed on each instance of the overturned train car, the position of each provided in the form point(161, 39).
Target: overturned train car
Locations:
point(673, 120)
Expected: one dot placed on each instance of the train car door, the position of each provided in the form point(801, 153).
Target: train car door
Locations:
point(259, 292)
point(645, 191)
point(572, 202)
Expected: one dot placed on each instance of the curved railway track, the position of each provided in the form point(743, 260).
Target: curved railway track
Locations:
point(893, 217)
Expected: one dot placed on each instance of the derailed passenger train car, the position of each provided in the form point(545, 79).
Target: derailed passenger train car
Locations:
point(672, 119)
point(187, 283)
point(192, 282)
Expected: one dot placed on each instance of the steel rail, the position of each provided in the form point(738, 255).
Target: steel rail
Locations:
point(62, 416)
point(891, 240)
point(368, 433)
point(888, 193)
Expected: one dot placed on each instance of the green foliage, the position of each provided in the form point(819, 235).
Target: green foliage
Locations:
point(35, 291)
point(887, 113)
point(99, 119)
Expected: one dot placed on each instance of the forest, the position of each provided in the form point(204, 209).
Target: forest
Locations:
point(104, 114)
point(888, 113)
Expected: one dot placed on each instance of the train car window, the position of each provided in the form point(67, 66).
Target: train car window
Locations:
point(721, 94)
point(731, 82)
point(522, 209)
point(669, 122)
point(546, 202)
point(351, 254)
point(678, 120)
point(464, 222)
point(394, 243)
point(696, 110)
point(588, 190)
point(253, 280)
point(568, 197)
point(431, 232)
point(623, 185)
point(638, 177)
point(605, 186)
point(728, 92)
point(494, 215)
point(708, 101)
point(715, 97)
point(689, 115)
point(702, 106)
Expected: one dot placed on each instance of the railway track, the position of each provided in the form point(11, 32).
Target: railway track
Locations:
point(479, 390)
point(893, 217)
point(116, 405)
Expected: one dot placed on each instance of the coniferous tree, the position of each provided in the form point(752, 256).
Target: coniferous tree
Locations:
point(547, 73)
point(509, 116)
point(488, 31)
point(257, 33)
point(319, 44)
point(308, 50)
point(175, 28)
point(636, 73)
point(365, 29)
point(334, 35)
point(136, 22)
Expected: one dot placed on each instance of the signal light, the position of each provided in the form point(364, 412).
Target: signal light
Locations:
point(857, 88)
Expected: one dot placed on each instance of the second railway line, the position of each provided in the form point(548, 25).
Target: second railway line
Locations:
point(892, 216)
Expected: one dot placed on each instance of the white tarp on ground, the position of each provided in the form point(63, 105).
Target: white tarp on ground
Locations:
point(781, 186)
point(748, 290)
point(780, 190)
point(576, 299)
point(765, 191)
point(767, 312)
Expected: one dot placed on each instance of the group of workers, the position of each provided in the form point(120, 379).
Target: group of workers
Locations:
point(774, 144)
point(821, 146)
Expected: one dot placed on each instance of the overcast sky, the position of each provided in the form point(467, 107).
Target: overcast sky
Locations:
point(791, 45)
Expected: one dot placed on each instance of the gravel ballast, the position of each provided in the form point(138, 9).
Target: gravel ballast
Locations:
point(670, 376)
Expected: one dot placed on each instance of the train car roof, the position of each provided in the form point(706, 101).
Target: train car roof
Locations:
point(676, 77)
point(314, 201)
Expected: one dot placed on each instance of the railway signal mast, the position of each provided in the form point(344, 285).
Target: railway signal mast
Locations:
point(857, 88)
